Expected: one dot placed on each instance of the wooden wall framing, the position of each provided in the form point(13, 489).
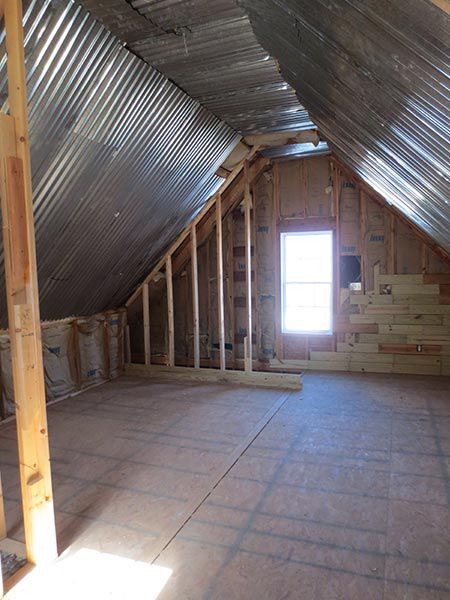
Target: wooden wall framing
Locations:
point(23, 302)
point(297, 195)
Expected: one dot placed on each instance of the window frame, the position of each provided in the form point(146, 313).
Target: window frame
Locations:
point(282, 280)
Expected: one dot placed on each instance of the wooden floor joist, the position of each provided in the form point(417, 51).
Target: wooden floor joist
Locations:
point(23, 302)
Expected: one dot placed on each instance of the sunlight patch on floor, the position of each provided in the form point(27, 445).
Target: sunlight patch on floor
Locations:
point(92, 575)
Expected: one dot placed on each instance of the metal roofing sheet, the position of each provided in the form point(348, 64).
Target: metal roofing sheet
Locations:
point(374, 76)
point(208, 48)
point(121, 159)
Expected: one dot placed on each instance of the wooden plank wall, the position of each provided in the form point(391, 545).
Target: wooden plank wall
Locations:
point(298, 195)
point(385, 244)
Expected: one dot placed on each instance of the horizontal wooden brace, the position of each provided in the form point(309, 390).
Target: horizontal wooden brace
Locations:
point(252, 378)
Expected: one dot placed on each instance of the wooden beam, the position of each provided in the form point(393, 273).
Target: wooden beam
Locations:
point(254, 378)
point(362, 233)
point(186, 231)
point(229, 278)
point(219, 250)
point(391, 249)
point(23, 305)
point(3, 532)
point(337, 240)
point(230, 200)
point(195, 311)
point(146, 318)
point(443, 5)
point(170, 316)
point(276, 217)
point(248, 267)
point(221, 172)
point(127, 344)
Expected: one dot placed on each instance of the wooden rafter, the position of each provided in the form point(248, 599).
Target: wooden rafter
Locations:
point(443, 5)
point(186, 231)
point(230, 200)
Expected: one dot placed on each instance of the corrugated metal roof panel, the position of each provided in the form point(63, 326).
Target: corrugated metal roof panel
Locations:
point(208, 48)
point(121, 159)
point(374, 76)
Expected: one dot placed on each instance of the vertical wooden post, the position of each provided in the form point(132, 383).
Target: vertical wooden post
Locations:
point(127, 344)
point(146, 315)
point(362, 235)
point(123, 325)
point(229, 261)
point(76, 353)
point(23, 304)
point(276, 259)
point(337, 238)
point(248, 266)
point(392, 257)
point(3, 532)
point(219, 245)
point(106, 356)
point(195, 313)
point(170, 319)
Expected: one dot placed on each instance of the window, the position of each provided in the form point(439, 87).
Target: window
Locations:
point(306, 282)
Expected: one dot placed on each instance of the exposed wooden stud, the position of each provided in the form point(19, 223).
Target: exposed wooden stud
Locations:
point(106, 357)
point(231, 199)
point(23, 304)
point(363, 231)
point(208, 297)
point(248, 266)
point(219, 250)
point(123, 325)
point(229, 261)
point(170, 315)
point(195, 311)
point(76, 353)
point(424, 258)
point(337, 241)
point(3, 531)
point(127, 344)
point(185, 233)
point(276, 253)
point(146, 318)
point(391, 251)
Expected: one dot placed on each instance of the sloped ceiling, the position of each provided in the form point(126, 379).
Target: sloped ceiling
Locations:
point(121, 159)
point(208, 48)
point(374, 77)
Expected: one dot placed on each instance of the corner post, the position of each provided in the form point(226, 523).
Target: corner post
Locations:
point(23, 303)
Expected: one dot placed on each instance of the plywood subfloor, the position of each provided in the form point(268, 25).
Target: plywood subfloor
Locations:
point(344, 493)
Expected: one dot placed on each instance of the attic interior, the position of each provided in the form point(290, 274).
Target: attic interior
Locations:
point(225, 294)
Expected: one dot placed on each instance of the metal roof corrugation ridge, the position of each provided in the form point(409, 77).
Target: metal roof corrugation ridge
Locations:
point(121, 159)
point(208, 48)
point(373, 76)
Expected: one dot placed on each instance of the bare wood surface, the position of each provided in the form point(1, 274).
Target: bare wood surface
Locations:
point(219, 249)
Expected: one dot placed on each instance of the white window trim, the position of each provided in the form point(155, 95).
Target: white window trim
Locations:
point(283, 236)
